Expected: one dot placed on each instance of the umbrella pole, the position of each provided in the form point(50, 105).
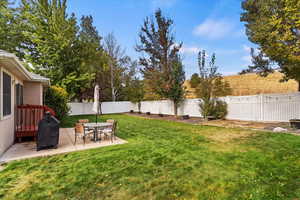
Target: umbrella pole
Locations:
point(97, 114)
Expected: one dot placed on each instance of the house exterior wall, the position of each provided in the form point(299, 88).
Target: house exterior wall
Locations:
point(7, 122)
point(6, 134)
point(33, 93)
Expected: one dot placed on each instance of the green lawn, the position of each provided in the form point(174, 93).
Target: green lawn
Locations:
point(164, 160)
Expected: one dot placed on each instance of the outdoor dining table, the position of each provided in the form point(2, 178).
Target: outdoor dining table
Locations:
point(97, 126)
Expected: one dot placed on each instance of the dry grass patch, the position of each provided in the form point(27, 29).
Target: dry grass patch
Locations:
point(225, 135)
point(226, 139)
point(229, 135)
point(245, 124)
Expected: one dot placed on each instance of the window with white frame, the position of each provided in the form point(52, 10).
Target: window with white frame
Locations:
point(6, 102)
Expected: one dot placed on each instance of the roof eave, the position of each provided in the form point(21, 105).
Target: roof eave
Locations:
point(23, 70)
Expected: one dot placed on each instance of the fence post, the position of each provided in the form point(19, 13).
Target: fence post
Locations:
point(261, 102)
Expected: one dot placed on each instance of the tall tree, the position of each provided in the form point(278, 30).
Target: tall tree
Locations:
point(274, 25)
point(116, 60)
point(93, 59)
point(59, 49)
point(52, 41)
point(175, 90)
point(162, 67)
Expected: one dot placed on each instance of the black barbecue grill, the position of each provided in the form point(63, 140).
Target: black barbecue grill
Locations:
point(48, 132)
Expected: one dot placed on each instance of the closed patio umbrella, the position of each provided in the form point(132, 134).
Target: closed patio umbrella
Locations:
point(96, 101)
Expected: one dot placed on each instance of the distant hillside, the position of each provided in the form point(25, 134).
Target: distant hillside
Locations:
point(251, 84)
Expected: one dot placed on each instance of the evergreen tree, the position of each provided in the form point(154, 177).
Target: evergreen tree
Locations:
point(93, 59)
point(11, 38)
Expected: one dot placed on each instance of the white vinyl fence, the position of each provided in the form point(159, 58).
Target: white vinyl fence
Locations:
point(107, 108)
point(271, 107)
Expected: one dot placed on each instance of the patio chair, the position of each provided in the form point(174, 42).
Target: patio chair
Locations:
point(112, 121)
point(111, 131)
point(82, 121)
point(81, 132)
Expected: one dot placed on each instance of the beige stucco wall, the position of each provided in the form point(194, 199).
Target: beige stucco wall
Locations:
point(7, 122)
point(6, 133)
point(33, 93)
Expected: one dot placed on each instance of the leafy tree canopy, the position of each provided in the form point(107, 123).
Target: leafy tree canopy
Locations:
point(274, 25)
point(162, 66)
point(10, 25)
point(64, 49)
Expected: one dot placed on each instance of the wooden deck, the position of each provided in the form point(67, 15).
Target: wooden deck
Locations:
point(27, 120)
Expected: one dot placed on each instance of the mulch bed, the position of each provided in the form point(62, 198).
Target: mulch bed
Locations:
point(222, 123)
point(191, 120)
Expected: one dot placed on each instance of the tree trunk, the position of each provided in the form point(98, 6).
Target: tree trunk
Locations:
point(139, 106)
point(113, 95)
point(298, 86)
point(175, 108)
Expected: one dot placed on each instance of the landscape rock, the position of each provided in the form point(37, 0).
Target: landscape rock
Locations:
point(279, 129)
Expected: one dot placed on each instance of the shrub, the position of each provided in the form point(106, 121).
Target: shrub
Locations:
point(213, 108)
point(220, 109)
point(57, 99)
point(206, 108)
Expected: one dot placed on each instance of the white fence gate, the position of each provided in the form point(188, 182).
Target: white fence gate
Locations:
point(271, 107)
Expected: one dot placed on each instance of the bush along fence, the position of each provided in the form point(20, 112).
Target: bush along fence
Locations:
point(266, 108)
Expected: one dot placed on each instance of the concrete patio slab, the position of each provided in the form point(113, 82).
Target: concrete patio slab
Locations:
point(66, 144)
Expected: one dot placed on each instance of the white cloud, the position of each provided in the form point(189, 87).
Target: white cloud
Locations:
point(189, 49)
point(163, 3)
point(216, 29)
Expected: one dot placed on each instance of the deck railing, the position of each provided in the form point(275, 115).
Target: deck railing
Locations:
point(27, 119)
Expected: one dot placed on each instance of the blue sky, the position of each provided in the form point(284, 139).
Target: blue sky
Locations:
point(213, 25)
